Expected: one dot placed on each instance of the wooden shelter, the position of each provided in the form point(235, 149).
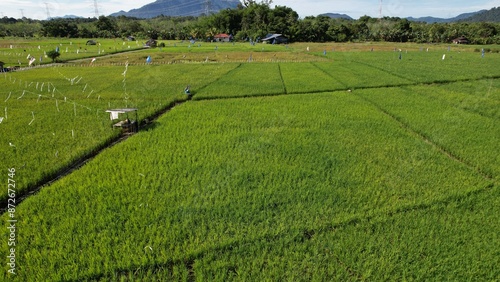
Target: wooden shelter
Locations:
point(127, 125)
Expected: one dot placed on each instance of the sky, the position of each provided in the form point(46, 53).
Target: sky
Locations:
point(39, 9)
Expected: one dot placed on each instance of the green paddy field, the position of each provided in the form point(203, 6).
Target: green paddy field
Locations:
point(347, 162)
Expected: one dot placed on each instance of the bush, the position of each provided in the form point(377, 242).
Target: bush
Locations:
point(53, 54)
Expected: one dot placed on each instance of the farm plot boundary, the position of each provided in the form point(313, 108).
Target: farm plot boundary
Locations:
point(429, 140)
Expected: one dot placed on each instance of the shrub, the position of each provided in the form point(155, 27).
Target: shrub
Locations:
point(53, 54)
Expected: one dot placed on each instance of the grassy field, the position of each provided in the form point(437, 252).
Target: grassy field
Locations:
point(354, 165)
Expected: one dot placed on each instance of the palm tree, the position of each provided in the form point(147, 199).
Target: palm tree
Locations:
point(195, 32)
point(212, 32)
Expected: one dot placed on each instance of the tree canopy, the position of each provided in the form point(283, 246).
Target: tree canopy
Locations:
point(252, 21)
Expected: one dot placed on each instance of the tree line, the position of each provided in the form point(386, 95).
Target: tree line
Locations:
point(253, 21)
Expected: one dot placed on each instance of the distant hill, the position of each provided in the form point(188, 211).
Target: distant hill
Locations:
point(460, 17)
point(337, 16)
point(492, 15)
point(65, 17)
point(179, 8)
point(71, 17)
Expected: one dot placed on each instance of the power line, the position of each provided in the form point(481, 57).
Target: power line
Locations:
point(202, 7)
point(185, 5)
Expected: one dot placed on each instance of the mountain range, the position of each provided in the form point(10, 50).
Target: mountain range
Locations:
point(201, 7)
point(179, 8)
point(492, 15)
point(461, 17)
point(337, 16)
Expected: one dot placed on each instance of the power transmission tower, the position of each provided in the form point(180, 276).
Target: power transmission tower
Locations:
point(380, 10)
point(208, 7)
point(22, 13)
point(48, 11)
point(96, 10)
